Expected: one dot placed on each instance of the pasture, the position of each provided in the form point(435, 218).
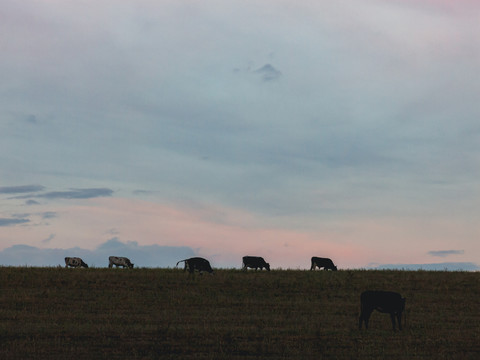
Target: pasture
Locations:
point(58, 313)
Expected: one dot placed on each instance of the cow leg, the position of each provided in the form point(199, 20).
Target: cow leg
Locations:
point(392, 316)
point(360, 321)
point(399, 319)
point(364, 317)
point(367, 319)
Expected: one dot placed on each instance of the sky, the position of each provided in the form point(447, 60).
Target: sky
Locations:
point(161, 130)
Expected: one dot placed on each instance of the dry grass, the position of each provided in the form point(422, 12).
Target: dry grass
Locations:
point(56, 313)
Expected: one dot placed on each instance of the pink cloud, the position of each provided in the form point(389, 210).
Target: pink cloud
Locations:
point(221, 234)
point(224, 235)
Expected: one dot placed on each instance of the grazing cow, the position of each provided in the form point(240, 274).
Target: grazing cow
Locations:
point(75, 262)
point(326, 263)
point(383, 301)
point(255, 262)
point(119, 261)
point(196, 263)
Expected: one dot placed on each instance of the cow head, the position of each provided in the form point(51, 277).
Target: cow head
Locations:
point(267, 266)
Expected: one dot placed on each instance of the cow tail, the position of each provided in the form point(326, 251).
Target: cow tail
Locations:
point(180, 262)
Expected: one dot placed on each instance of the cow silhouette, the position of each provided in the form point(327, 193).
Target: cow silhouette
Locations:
point(326, 263)
point(196, 263)
point(254, 262)
point(75, 262)
point(119, 261)
point(383, 301)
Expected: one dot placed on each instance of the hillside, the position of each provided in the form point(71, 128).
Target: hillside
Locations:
point(56, 313)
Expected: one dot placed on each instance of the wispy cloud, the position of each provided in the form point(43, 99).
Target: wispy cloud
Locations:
point(447, 266)
point(49, 215)
point(268, 72)
point(87, 193)
point(10, 221)
point(21, 189)
point(78, 194)
point(48, 239)
point(31, 119)
point(445, 253)
point(143, 192)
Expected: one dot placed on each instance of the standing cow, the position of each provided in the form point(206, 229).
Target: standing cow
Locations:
point(384, 301)
point(119, 261)
point(196, 263)
point(326, 263)
point(255, 262)
point(74, 262)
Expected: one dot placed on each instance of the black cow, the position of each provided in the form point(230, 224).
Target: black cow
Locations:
point(75, 262)
point(119, 261)
point(326, 263)
point(196, 263)
point(384, 301)
point(255, 262)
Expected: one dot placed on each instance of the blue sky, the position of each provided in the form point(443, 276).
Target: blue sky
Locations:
point(284, 129)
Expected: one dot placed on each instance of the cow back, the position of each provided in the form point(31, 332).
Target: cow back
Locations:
point(383, 301)
point(120, 261)
point(326, 263)
point(255, 262)
point(75, 262)
point(200, 264)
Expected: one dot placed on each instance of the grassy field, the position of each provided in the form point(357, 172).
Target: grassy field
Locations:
point(56, 313)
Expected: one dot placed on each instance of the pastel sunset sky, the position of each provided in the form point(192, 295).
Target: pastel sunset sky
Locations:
point(279, 128)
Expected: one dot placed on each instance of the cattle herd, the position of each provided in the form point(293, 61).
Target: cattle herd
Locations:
point(112, 260)
point(383, 301)
point(201, 264)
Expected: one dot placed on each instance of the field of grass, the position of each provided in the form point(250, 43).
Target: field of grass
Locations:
point(57, 313)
